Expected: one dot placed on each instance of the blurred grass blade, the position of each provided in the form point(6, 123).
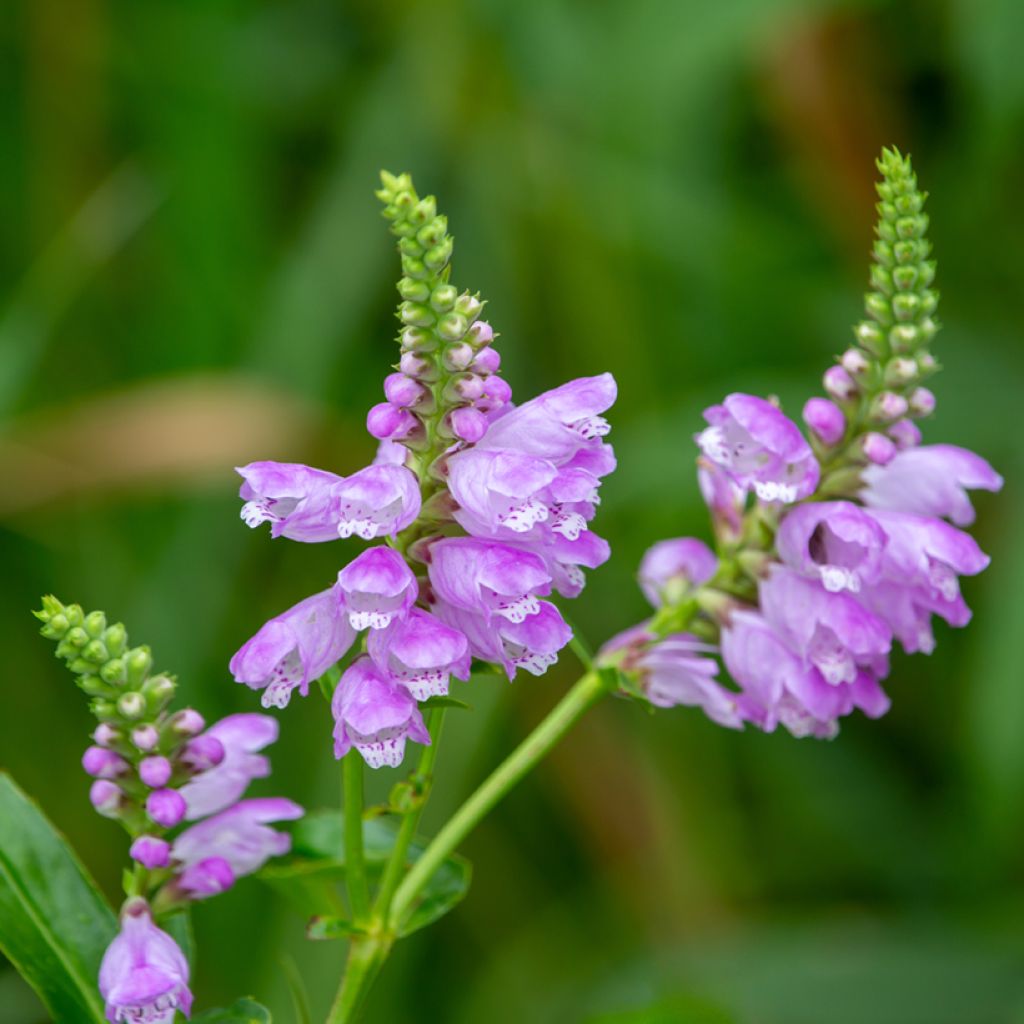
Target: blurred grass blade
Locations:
point(104, 223)
point(54, 924)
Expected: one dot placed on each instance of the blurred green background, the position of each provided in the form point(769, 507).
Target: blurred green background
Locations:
point(194, 274)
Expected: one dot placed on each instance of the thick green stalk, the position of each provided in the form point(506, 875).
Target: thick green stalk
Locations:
point(586, 692)
point(407, 831)
point(355, 865)
point(366, 956)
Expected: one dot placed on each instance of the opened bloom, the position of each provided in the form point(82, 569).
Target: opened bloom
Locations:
point(760, 448)
point(375, 714)
point(296, 500)
point(377, 586)
point(144, 975)
point(294, 648)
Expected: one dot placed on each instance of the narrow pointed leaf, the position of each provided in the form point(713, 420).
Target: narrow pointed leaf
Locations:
point(244, 1011)
point(54, 923)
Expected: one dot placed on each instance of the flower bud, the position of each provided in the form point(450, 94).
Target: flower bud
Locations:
point(452, 326)
point(412, 364)
point(208, 877)
point(887, 407)
point(102, 709)
point(466, 423)
point(151, 852)
point(113, 672)
point(488, 360)
point(927, 364)
point(854, 362)
point(387, 421)
point(106, 798)
point(457, 357)
point(905, 433)
point(145, 737)
point(870, 337)
point(138, 662)
point(101, 763)
point(414, 267)
point(412, 290)
point(415, 339)
point(188, 722)
point(922, 402)
point(437, 258)
point(498, 391)
point(107, 735)
point(95, 686)
point(434, 233)
point(839, 384)
point(878, 448)
point(155, 771)
point(202, 753)
point(166, 807)
point(899, 372)
point(463, 388)
point(415, 314)
point(826, 419)
point(443, 297)
point(469, 306)
point(401, 390)
point(905, 306)
point(480, 334)
point(878, 308)
point(904, 338)
point(131, 705)
point(94, 624)
point(158, 691)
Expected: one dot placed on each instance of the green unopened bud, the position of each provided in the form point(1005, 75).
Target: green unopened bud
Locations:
point(413, 290)
point(80, 666)
point(416, 339)
point(878, 308)
point(883, 253)
point(416, 314)
point(470, 306)
point(432, 234)
point(437, 257)
point(905, 306)
point(158, 691)
point(927, 328)
point(96, 652)
point(55, 627)
point(452, 326)
point(113, 672)
point(425, 210)
point(131, 706)
point(900, 372)
point(927, 364)
point(443, 297)
point(881, 279)
point(413, 266)
point(904, 278)
point(103, 709)
point(403, 203)
point(95, 623)
point(929, 303)
point(904, 338)
point(138, 662)
point(871, 337)
point(116, 639)
point(94, 686)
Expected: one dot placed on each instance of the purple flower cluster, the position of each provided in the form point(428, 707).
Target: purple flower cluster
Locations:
point(844, 580)
point(507, 523)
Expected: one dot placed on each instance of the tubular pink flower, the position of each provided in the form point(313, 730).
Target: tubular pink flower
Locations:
point(239, 737)
point(375, 714)
point(378, 586)
point(672, 567)
point(760, 448)
point(144, 975)
point(296, 500)
point(294, 648)
point(378, 501)
point(421, 652)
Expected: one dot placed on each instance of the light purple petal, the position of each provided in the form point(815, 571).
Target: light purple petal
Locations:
point(931, 480)
point(378, 501)
point(378, 586)
point(421, 652)
point(670, 568)
point(296, 500)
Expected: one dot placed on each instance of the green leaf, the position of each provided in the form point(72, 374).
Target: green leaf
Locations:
point(327, 927)
point(447, 887)
point(54, 924)
point(243, 1011)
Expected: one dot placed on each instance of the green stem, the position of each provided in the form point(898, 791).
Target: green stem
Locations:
point(366, 956)
point(355, 865)
point(396, 864)
point(584, 694)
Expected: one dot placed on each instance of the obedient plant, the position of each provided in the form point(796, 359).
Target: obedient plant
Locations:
point(475, 518)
